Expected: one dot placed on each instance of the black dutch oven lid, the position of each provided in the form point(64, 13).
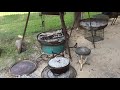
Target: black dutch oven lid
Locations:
point(59, 62)
point(83, 51)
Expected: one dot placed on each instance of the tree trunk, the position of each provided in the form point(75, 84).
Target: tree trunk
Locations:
point(77, 18)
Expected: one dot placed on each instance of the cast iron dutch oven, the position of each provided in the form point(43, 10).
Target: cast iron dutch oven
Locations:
point(59, 65)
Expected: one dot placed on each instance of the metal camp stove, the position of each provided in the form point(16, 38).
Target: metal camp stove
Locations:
point(83, 53)
point(59, 67)
point(52, 43)
point(94, 29)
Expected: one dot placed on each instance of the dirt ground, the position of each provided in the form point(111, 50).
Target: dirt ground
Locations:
point(104, 60)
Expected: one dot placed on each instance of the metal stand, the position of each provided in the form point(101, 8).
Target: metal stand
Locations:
point(94, 32)
point(114, 20)
point(83, 53)
point(91, 31)
point(82, 62)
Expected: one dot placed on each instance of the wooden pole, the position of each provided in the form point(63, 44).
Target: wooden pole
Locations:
point(26, 25)
point(77, 18)
point(65, 33)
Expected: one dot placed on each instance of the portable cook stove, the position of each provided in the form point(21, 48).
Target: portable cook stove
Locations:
point(83, 53)
point(94, 29)
point(52, 43)
point(59, 67)
point(24, 67)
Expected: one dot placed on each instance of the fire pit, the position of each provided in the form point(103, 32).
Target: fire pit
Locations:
point(59, 67)
point(52, 42)
point(94, 29)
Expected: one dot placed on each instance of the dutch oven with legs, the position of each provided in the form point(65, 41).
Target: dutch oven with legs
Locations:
point(59, 65)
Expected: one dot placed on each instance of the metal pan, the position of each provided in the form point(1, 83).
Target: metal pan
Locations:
point(24, 67)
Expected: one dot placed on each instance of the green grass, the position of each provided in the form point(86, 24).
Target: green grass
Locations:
point(13, 25)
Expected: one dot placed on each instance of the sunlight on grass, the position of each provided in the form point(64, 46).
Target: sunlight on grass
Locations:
point(12, 13)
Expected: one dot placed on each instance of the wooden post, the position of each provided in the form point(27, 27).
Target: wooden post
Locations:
point(77, 18)
point(65, 33)
point(26, 25)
